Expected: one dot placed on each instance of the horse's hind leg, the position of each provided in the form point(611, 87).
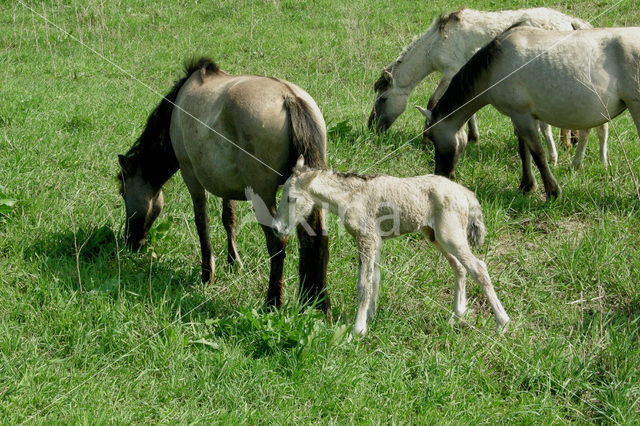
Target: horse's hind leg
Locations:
point(603, 137)
point(581, 148)
point(454, 242)
point(551, 146)
point(229, 221)
point(276, 247)
point(314, 256)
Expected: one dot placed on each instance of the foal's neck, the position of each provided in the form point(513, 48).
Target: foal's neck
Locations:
point(333, 191)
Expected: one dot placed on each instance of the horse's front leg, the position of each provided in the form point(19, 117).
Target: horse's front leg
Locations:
point(314, 256)
point(474, 133)
point(229, 221)
point(528, 181)
point(367, 257)
point(527, 129)
point(199, 199)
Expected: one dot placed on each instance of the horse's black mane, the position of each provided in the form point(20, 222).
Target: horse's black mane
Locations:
point(462, 86)
point(152, 151)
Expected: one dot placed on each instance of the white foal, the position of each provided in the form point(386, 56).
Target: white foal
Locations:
point(374, 208)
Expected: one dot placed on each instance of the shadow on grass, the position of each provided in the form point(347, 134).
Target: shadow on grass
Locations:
point(107, 268)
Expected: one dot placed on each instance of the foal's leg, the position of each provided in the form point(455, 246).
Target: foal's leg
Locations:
point(581, 148)
point(375, 288)
point(551, 146)
point(453, 240)
point(603, 137)
point(314, 256)
point(229, 221)
point(367, 249)
point(527, 129)
point(199, 199)
point(460, 296)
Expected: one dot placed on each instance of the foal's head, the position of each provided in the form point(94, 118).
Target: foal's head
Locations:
point(296, 204)
point(391, 101)
point(143, 202)
point(448, 142)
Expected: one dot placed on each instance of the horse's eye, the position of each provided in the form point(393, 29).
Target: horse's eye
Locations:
point(382, 100)
point(292, 200)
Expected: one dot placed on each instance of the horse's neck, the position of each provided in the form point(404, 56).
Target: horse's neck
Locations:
point(416, 61)
point(459, 111)
point(332, 191)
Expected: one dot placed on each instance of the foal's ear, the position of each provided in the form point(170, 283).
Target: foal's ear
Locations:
point(299, 165)
point(427, 114)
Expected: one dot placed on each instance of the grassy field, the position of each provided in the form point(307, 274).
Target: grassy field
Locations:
point(91, 333)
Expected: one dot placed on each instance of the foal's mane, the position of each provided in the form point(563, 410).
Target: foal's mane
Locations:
point(152, 151)
point(348, 175)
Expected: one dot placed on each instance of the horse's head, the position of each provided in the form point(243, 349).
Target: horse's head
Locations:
point(296, 204)
point(143, 202)
point(391, 101)
point(448, 143)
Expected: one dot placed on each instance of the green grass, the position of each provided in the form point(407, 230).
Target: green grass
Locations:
point(91, 333)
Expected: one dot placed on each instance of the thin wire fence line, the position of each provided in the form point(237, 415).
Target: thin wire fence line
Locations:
point(570, 34)
point(151, 89)
point(159, 94)
point(111, 364)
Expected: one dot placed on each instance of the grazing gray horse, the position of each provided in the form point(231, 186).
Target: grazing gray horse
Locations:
point(573, 80)
point(374, 208)
point(445, 47)
point(226, 133)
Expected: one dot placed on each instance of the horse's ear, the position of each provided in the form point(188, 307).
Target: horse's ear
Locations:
point(299, 165)
point(125, 165)
point(427, 114)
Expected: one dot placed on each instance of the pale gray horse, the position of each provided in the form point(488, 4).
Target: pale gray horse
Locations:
point(445, 47)
point(227, 133)
point(374, 208)
point(574, 80)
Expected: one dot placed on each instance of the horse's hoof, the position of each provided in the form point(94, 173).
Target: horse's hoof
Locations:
point(502, 327)
point(554, 194)
point(527, 187)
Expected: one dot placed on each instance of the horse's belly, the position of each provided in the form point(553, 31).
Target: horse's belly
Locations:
point(215, 166)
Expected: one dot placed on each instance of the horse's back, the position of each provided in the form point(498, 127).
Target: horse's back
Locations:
point(233, 132)
point(550, 72)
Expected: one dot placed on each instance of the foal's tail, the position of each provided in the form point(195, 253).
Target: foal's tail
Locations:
point(475, 226)
point(307, 137)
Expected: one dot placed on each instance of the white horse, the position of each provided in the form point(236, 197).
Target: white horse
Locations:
point(573, 79)
point(446, 46)
point(374, 208)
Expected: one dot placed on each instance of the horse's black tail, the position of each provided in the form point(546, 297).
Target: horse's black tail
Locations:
point(307, 138)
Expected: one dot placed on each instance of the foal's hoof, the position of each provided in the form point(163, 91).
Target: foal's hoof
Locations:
point(501, 328)
point(207, 270)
